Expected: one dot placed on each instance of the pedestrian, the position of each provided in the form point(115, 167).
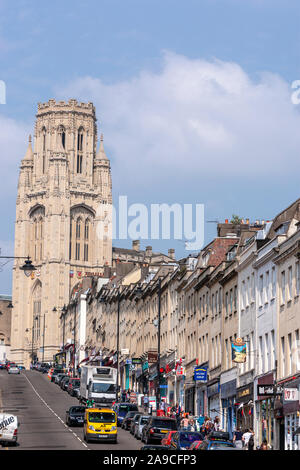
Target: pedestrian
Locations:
point(146, 402)
point(264, 445)
point(251, 441)
point(185, 422)
point(192, 425)
point(246, 437)
point(216, 424)
point(237, 438)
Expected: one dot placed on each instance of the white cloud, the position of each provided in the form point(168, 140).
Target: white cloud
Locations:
point(195, 115)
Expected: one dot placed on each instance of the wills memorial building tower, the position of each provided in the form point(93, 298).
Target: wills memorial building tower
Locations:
point(63, 191)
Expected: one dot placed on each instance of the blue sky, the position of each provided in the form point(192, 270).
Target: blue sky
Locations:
point(194, 94)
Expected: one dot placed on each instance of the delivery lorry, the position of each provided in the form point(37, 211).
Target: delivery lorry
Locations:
point(98, 384)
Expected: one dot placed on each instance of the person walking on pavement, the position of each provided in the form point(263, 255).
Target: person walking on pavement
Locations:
point(237, 438)
point(146, 403)
point(264, 445)
point(246, 438)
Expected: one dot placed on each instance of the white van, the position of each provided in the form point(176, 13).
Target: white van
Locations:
point(8, 428)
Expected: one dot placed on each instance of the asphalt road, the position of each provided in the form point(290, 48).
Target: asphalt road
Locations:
point(41, 406)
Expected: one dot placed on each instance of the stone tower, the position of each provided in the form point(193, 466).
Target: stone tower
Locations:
point(64, 193)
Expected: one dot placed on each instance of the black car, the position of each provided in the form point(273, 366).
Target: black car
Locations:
point(75, 416)
point(157, 428)
point(127, 420)
point(182, 440)
point(134, 421)
point(54, 374)
point(64, 382)
point(122, 409)
point(59, 378)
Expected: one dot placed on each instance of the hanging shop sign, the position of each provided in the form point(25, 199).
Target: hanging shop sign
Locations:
point(291, 394)
point(145, 366)
point(152, 357)
point(200, 374)
point(238, 351)
point(136, 360)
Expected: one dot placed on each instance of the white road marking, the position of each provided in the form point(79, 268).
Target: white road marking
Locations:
point(52, 411)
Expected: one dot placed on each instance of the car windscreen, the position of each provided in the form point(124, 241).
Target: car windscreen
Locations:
point(128, 408)
point(164, 423)
point(103, 388)
point(75, 383)
point(189, 437)
point(77, 409)
point(102, 417)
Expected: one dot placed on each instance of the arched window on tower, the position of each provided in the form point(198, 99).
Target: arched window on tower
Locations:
point(79, 150)
point(62, 135)
point(86, 239)
point(78, 239)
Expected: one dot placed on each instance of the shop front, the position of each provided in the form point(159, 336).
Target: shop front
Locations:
point(264, 405)
point(213, 395)
point(244, 407)
point(291, 413)
point(228, 393)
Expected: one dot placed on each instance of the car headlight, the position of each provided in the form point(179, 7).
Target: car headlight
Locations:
point(91, 427)
point(113, 428)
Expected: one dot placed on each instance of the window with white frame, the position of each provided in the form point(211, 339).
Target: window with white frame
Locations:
point(260, 359)
point(297, 278)
point(290, 352)
point(273, 349)
point(261, 289)
point(290, 282)
point(273, 282)
point(252, 287)
point(282, 357)
point(282, 287)
point(267, 287)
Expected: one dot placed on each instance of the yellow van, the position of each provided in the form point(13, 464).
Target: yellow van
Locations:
point(100, 424)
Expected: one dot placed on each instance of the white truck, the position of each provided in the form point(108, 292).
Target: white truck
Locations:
point(98, 383)
point(8, 428)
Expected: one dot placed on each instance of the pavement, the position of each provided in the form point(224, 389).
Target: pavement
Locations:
point(41, 407)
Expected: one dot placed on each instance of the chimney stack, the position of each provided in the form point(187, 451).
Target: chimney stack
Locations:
point(136, 245)
point(149, 251)
point(171, 253)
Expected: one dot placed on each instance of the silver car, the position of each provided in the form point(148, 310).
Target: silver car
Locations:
point(143, 419)
point(14, 370)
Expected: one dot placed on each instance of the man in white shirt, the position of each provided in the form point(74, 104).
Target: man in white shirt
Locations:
point(245, 438)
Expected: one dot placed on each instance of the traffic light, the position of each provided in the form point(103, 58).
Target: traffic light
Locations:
point(162, 370)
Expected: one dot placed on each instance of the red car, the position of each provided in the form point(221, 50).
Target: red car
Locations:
point(195, 445)
point(166, 441)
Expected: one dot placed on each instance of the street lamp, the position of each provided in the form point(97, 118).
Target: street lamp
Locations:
point(27, 267)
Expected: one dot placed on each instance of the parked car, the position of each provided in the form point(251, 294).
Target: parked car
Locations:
point(21, 367)
point(73, 382)
point(143, 419)
point(157, 427)
point(208, 444)
point(182, 440)
point(166, 441)
point(127, 420)
point(2, 365)
point(13, 369)
point(75, 415)
point(54, 374)
point(134, 422)
point(122, 409)
point(58, 377)
point(64, 382)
